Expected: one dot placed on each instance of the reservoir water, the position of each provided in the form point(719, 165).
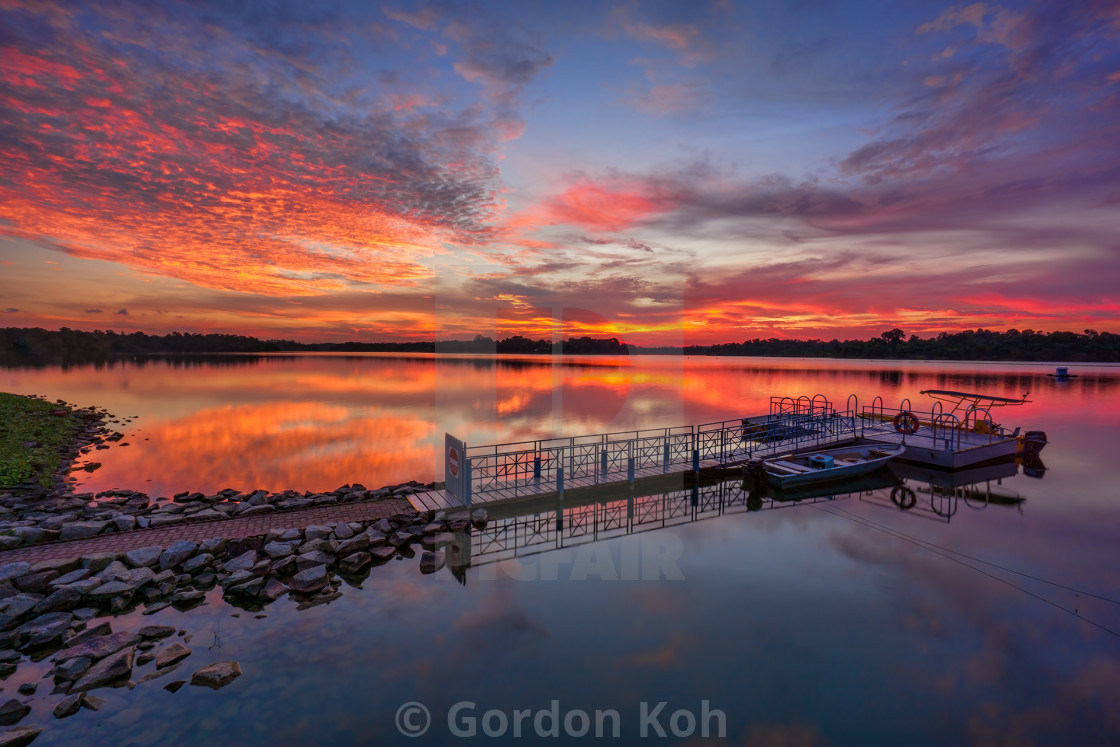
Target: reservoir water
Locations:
point(989, 615)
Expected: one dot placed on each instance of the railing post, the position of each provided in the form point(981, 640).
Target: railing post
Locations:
point(696, 461)
point(560, 479)
point(467, 480)
point(603, 462)
point(665, 456)
point(630, 469)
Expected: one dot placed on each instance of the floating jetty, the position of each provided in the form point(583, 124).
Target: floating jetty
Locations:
point(546, 468)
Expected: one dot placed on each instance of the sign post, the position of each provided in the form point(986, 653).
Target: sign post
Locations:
point(456, 472)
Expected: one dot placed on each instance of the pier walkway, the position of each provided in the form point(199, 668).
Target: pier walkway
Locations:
point(549, 467)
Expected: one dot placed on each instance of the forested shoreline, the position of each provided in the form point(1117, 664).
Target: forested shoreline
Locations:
point(36, 346)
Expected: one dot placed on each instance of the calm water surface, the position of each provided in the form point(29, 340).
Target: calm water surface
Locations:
point(821, 622)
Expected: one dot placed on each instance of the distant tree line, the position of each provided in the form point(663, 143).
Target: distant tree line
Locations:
point(980, 344)
point(35, 346)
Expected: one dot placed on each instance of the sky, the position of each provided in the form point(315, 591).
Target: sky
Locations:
point(661, 172)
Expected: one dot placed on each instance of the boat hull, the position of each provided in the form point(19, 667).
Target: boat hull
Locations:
point(850, 463)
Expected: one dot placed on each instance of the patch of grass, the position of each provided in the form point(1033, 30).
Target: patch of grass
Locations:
point(24, 420)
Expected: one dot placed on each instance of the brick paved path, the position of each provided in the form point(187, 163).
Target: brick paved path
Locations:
point(247, 526)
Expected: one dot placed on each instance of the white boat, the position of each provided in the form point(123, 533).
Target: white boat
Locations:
point(828, 465)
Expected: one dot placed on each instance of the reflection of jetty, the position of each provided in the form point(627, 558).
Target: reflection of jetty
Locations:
point(550, 467)
point(516, 530)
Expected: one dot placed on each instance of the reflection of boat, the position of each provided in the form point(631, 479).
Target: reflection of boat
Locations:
point(829, 465)
point(880, 479)
point(947, 480)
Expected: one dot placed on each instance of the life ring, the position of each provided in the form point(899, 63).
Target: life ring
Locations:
point(907, 423)
point(903, 497)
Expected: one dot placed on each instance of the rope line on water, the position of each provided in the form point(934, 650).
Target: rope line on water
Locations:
point(933, 548)
point(981, 560)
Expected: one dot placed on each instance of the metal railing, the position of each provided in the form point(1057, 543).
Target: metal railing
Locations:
point(529, 467)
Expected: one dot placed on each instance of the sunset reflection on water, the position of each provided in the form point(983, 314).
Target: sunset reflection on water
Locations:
point(315, 422)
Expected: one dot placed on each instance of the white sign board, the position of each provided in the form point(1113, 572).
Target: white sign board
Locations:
point(455, 466)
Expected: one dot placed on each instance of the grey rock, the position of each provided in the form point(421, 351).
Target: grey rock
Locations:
point(173, 654)
point(242, 562)
point(69, 705)
point(19, 736)
point(101, 629)
point(159, 673)
point(86, 585)
point(208, 514)
point(383, 526)
point(400, 538)
point(277, 550)
point(36, 583)
point(124, 523)
point(185, 598)
point(478, 517)
point(285, 567)
point(315, 532)
point(60, 599)
point(13, 711)
point(432, 560)
point(97, 561)
point(214, 545)
point(315, 558)
point(28, 535)
point(217, 675)
point(310, 580)
point(72, 669)
point(115, 571)
point(62, 565)
point(144, 557)
point(98, 647)
point(236, 578)
point(353, 545)
point(155, 522)
point(258, 498)
point(250, 588)
point(255, 510)
point(71, 577)
point(273, 590)
point(355, 562)
point(13, 570)
point(82, 529)
point(343, 532)
point(110, 590)
point(384, 553)
point(110, 669)
point(176, 553)
point(139, 577)
point(157, 631)
point(44, 629)
point(198, 562)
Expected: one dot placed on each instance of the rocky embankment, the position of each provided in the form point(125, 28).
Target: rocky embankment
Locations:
point(48, 609)
point(30, 521)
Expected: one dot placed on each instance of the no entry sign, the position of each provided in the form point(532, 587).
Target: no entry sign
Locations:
point(455, 467)
point(453, 461)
